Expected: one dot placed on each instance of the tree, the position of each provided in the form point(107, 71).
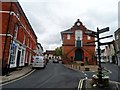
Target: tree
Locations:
point(58, 51)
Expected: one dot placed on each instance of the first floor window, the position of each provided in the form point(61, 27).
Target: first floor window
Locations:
point(68, 36)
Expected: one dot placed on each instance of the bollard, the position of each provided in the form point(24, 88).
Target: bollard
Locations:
point(79, 67)
point(87, 69)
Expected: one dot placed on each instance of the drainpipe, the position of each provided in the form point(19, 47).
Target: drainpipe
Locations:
point(6, 37)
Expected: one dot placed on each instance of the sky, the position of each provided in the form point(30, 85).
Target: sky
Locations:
point(49, 17)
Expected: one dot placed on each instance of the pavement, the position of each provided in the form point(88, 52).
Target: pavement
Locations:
point(86, 84)
point(16, 74)
point(92, 68)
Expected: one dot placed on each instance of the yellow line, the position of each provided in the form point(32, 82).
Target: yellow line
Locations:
point(80, 84)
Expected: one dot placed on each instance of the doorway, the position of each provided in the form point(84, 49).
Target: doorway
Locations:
point(18, 58)
point(78, 55)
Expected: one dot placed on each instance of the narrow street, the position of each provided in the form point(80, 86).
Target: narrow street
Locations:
point(55, 75)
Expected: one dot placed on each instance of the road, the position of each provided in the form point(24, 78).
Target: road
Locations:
point(114, 71)
point(55, 75)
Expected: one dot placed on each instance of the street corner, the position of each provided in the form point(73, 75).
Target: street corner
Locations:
point(86, 84)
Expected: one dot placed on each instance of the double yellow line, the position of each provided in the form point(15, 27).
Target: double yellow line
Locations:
point(80, 85)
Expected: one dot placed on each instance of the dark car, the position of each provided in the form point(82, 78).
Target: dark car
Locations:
point(55, 61)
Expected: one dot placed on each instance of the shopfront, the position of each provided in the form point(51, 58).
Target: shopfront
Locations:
point(17, 55)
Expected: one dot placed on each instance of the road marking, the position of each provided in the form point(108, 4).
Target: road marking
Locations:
point(115, 82)
point(80, 84)
point(17, 78)
point(86, 77)
point(107, 70)
point(82, 71)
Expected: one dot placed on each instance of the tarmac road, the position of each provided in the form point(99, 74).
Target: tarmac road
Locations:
point(55, 75)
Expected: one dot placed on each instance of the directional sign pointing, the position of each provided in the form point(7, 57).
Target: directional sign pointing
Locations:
point(106, 36)
point(104, 30)
point(105, 43)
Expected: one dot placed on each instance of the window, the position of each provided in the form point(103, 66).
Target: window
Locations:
point(68, 36)
point(13, 53)
point(24, 38)
point(78, 35)
point(89, 37)
point(28, 42)
point(117, 37)
point(15, 31)
point(18, 15)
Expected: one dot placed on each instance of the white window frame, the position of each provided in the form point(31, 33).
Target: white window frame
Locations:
point(117, 37)
point(78, 35)
point(16, 31)
point(89, 37)
point(68, 36)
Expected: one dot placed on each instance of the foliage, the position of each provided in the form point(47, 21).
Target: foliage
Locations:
point(58, 51)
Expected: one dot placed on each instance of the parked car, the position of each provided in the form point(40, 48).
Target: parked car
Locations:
point(55, 61)
point(39, 62)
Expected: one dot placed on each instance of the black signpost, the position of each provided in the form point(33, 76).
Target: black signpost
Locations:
point(96, 34)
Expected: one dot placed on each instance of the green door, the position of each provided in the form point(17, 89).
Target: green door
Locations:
point(78, 55)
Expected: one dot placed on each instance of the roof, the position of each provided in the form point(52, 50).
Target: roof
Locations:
point(67, 31)
point(50, 51)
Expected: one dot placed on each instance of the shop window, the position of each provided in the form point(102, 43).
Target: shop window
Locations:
point(13, 54)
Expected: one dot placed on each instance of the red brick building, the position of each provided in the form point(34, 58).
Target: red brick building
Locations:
point(17, 37)
point(75, 46)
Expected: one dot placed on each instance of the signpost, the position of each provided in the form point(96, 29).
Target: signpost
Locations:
point(96, 34)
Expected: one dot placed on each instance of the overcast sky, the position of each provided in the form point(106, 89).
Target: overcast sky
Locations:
point(49, 17)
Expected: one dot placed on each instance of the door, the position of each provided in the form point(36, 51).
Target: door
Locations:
point(78, 55)
point(18, 58)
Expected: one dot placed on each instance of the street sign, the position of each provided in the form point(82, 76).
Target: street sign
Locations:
point(104, 30)
point(106, 37)
point(105, 43)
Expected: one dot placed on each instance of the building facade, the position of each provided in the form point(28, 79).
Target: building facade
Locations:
point(117, 45)
point(17, 37)
point(75, 45)
point(49, 54)
point(39, 49)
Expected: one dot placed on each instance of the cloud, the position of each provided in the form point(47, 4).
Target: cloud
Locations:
point(50, 17)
